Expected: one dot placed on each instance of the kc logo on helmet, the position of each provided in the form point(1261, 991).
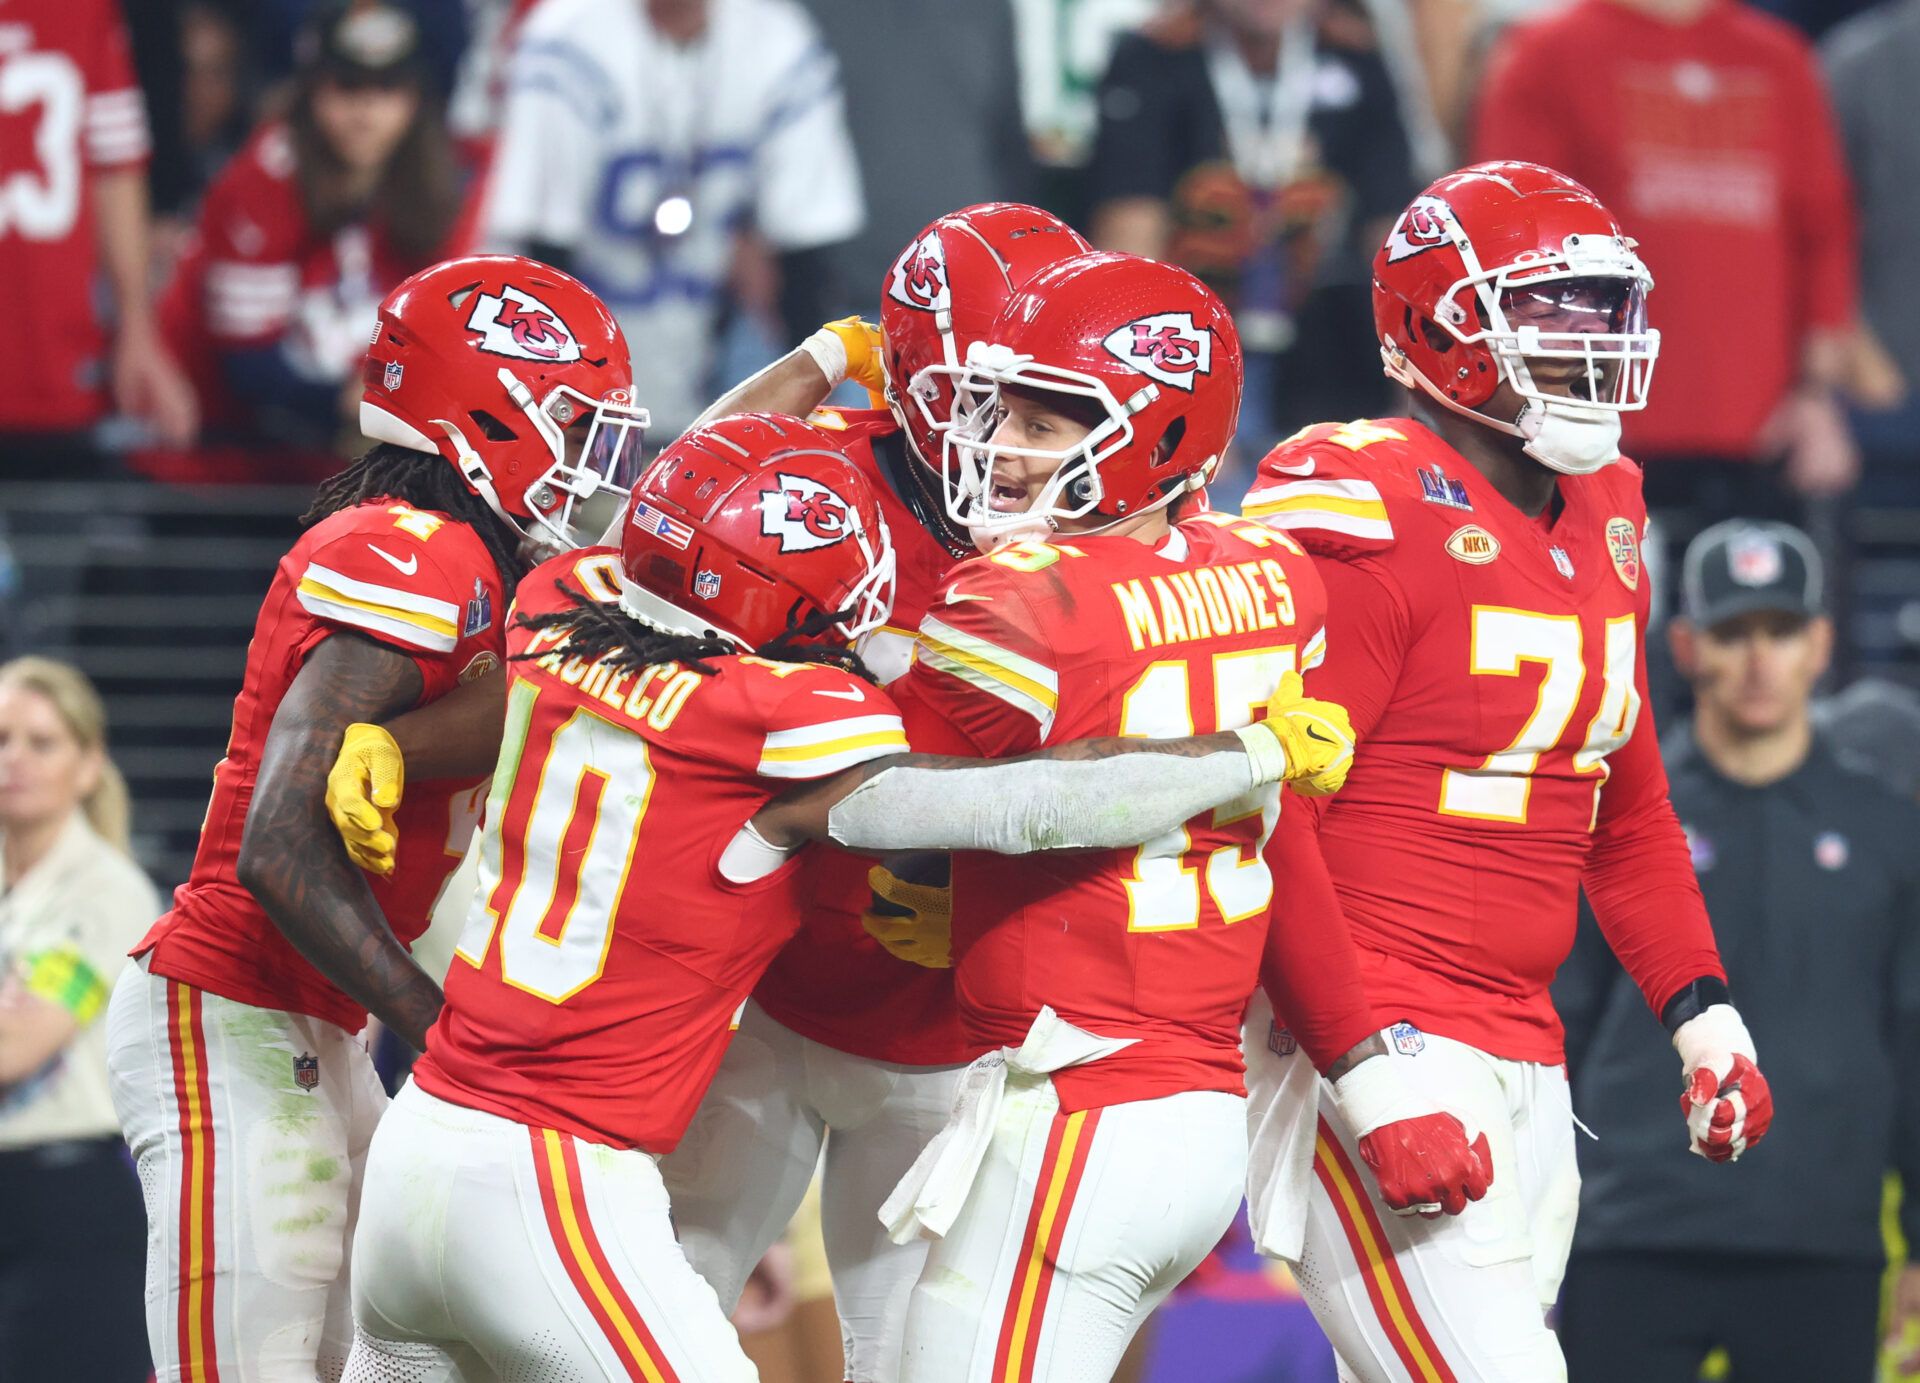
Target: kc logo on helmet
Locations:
point(515, 323)
point(919, 277)
point(1422, 226)
point(1166, 346)
point(804, 514)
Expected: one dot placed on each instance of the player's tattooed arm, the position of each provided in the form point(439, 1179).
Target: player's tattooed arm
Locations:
point(292, 861)
point(1376, 1045)
point(456, 736)
point(793, 385)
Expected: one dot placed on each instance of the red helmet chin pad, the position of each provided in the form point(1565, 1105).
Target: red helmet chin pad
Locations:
point(945, 289)
point(753, 522)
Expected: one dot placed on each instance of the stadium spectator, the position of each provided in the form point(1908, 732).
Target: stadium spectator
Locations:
point(1809, 870)
point(1258, 143)
point(644, 139)
point(1871, 61)
point(932, 145)
point(1064, 47)
point(72, 1231)
point(1705, 123)
point(73, 205)
point(317, 217)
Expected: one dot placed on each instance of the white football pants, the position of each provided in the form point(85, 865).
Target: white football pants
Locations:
point(250, 1129)
point(1075, 1228)
point(491, 1250)
point(746, 1161)
point(1457, 1299)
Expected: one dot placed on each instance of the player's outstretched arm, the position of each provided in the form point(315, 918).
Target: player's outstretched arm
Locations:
point(1088, 794)
point(799, 381)
point(290, 858)
point(457, 736)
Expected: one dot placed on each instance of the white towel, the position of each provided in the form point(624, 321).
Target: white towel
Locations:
point(930, 1195)
point(1283, 1110)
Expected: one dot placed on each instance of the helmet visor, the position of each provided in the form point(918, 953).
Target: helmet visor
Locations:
point(602, 452)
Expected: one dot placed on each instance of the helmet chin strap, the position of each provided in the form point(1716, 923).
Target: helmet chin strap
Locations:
point(1563, 435)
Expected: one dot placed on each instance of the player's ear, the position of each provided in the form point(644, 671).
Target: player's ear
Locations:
point(1820, 633)
point(1683, 640)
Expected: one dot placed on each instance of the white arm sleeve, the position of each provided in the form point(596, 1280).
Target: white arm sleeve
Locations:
point(1041, 804)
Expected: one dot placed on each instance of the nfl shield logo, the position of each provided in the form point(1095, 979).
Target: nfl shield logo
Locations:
point(395, 371)
point(706, 584)
point(1561, 562)
point(1407, 1039)
point(306, 1071)
point(1280, 1041)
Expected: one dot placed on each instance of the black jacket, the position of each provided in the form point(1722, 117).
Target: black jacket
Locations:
point(1813, 883)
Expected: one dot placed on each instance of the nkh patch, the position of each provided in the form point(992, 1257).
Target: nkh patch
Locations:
point(1407, 1039)
point(306, 1071)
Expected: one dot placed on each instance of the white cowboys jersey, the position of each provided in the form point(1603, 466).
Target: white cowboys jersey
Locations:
point(643, 157)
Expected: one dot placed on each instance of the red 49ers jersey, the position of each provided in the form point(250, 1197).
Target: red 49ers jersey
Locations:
point(71, 110)
point(1493, 665)
point(833, 983)
point(1045, 643)
point(419, 582)
point(605, 956)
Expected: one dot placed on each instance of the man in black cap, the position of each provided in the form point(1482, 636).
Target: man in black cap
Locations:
point(1811, 869)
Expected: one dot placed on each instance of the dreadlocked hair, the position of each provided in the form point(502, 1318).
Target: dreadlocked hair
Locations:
point(598, 631)
point(425, 480)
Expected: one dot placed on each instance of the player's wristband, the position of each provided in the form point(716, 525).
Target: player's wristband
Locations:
point(1693, 1000)
point(829, 352)
point(1264, 749)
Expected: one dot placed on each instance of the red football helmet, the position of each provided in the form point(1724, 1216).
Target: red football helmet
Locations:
point(1510, 273)
point(517, 374)
point(942, 294)
point(749, 524)
point(1147, 343)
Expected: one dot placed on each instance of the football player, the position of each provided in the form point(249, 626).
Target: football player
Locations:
point(1099, 1151)
point(841, 1045)
point(1489, 607)
point(497, 391)
point(660, 696)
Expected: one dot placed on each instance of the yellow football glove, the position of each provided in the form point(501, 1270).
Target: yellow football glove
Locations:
point(1316, 735)
point(865, 348)
point(363, 791)
point(923, 931)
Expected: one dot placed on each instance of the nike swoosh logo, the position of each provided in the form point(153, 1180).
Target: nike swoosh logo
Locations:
point(854, 695)
point(406, 568)
point(1314, 734)
point(955, 597)
point(1304, 468)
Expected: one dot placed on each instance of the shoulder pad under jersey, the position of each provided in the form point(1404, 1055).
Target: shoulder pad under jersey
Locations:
point(1345, 489)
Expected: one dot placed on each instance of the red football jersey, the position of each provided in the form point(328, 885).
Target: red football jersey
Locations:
point(418, 581)
point(834, 983)
point(1042, 643)
point(70, 110)
point(258, 273)
point(588, 995)
point(1494, 668)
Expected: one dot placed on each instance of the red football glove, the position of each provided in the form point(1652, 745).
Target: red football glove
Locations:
point(1727, 1103)
point(1420, 1154)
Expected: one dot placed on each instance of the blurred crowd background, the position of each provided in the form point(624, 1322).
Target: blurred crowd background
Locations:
point(202, 201)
